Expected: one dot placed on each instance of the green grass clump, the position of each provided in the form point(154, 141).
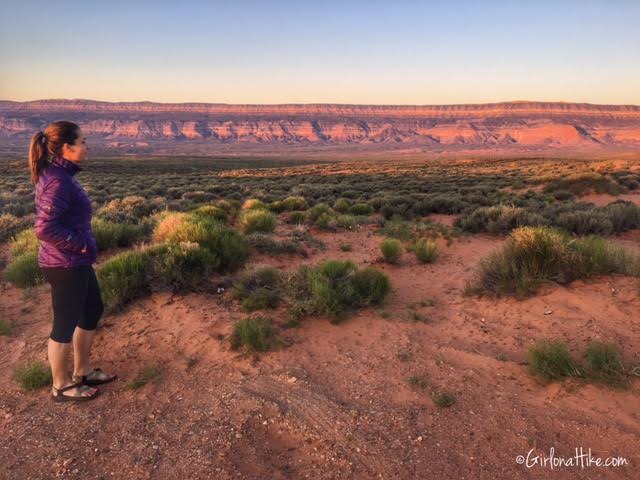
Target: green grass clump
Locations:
point(294, 203)
point(230, 248)
point(391, 249)
point(181, 266)
point(336, 287)
point(212, 212)
point(5, 327)
point(33, 375)
point(585, 182)
point(417, 381)
point(444, 399)
point(342, 205)
point(149, 374)
point(532, 255)
point(371, 286)
point(253, 333)
point(259, 289)
point(24, 242)
point(257, 220)
point(23, 271)
point(254, 204)
point(360, 209)
point(264, 243)
point(426, 250)
point(296, 218)
point(315, 212)
point(124, 277)
point(112, 234)
point(498, 219)
point(604, 364)
point(550, 360)
point(348, 222)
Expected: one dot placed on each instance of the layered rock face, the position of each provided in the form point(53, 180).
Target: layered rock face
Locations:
point(526, 124)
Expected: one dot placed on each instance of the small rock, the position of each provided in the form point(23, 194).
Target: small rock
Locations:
point(548, 312)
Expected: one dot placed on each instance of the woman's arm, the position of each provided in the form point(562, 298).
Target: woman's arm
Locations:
point(51, 207)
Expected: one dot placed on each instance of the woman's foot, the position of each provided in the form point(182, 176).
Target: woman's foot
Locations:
point(94, 377)
point(73, 392)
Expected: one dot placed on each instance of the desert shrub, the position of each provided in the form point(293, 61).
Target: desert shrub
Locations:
point(130, 209)
point(498, 219)
point(181, 265)
point(360, 209)
point(604, 364)
point(326, 222)
point(447, 204)
point(585, 223)
point(371, 286)
point(212, 212)
point(348, 222)
point(563, 195)
point(583, 183)
point(257, 220)
point(124, 277)
point(444, 399)
point(426, 250)
point(296, 218)
point(391, 249)
point(253, 333)
point(197, 196)
point(169, 226)
point(535, 254)
point(263, 243)
point(622, 215)
point(111, 234)
point(315, 212)
point(5, 327)
point(335, 287)
point(10, 225)
point(23, 271)
point(32, 375)
point(227, 244)
point(346, 247)
point(259, 289)
point(253, 204)
point(342, 205)
point(550, 360)
point(294, 203)
point(24, 242)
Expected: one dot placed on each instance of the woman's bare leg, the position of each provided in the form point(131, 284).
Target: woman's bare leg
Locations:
point(82, 340)
point(58, 355)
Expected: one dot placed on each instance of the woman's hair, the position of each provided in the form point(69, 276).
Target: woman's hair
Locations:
point(50, 142)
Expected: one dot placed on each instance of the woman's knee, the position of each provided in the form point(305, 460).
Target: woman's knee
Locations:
point(62, 332)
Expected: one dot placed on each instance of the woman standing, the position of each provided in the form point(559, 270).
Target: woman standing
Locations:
point(67, 252)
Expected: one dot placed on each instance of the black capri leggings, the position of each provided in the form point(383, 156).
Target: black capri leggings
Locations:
point(76, 299)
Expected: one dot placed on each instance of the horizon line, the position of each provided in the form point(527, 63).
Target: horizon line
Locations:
point(320, 103)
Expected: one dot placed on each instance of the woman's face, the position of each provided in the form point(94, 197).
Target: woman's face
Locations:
point(78, 152)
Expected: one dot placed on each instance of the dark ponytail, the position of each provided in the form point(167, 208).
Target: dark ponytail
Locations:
point(50, 143)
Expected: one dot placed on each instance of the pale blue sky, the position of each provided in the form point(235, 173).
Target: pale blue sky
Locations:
point(395, 52)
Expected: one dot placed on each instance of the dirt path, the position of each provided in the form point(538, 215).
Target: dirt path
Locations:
point(335, 403)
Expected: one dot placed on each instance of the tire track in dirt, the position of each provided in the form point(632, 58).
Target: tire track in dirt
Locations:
point(313, 411)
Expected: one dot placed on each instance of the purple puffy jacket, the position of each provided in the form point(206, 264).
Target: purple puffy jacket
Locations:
point(63, 217)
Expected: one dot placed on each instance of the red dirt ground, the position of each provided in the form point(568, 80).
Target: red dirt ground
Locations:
point(335, 402)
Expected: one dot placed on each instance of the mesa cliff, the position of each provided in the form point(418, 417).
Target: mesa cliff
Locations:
point(140, 125)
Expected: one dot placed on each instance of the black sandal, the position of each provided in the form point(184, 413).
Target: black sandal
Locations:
point(86, 381)
point(60, 397)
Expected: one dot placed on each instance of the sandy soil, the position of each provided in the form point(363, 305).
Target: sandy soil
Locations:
point(334, 403)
